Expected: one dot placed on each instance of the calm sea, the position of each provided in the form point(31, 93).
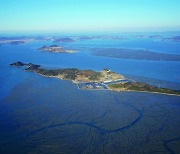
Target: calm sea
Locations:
point(47, 115)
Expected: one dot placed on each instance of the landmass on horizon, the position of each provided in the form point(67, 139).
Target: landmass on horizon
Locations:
point(138, 54)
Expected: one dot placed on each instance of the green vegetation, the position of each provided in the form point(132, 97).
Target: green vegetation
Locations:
point(47, 72)
point(91, 75)
point(137, 86)
point(68, 73)
point(77, 75)
point(71, 73)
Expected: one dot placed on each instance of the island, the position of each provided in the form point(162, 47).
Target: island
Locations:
point(174, 38)
point(12, 42)
point(19, 40)
point(66, 39)
point(106, 37)
point(55, 48)
point(30, 66)
point(89, 79)
point(138, 54)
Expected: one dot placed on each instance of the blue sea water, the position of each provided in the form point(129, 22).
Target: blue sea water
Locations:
point(161, 70)
point(32, 106)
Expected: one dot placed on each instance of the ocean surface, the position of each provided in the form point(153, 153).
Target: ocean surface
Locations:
point(48, 115)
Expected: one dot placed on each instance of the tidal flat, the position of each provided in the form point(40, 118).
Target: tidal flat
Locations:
point(47, 117)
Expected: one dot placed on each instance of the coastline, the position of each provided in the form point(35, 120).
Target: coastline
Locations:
point(145, 92)
point(75, 82)
point(92, 80)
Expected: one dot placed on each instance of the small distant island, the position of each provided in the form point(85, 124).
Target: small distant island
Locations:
point(89, 79)
point(12, 42)
point(55, 48)
point(175, 38)
point(107, 37)
point(82, 38)
point(66, 39)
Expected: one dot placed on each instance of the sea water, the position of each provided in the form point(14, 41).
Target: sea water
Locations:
point(40, 114)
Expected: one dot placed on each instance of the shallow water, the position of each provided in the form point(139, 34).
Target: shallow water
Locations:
point(48, 115)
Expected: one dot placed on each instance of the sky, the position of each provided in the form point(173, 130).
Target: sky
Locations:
point(89, 15)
